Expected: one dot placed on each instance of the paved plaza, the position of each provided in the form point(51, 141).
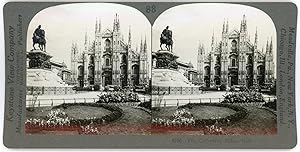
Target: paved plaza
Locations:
point(205, 97)
point(52, 100)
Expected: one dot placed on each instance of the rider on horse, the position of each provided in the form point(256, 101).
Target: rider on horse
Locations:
point(166, 38)
point(39, 37)
point(165, 33)
point(38, 32)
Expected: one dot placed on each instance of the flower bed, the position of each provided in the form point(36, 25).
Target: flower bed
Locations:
point(183, 118)
point(57, 118)
point(248, 96)
point(118, 97)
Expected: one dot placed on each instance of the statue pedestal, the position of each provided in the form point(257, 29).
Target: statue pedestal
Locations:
point(39, 72)
point(166, 60)
point(166, 73)
point(39, 59)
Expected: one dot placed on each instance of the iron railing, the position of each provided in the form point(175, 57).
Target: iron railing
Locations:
point(54, 102)
point(30, 90)
point(156, 90)
point(159, 101)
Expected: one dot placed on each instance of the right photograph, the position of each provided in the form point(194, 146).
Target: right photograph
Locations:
point(214, 71)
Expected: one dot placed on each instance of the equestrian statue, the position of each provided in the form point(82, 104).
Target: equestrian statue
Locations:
point(39, 38)
point(166, 38)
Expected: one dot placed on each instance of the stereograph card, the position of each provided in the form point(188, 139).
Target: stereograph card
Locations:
point(150, 74)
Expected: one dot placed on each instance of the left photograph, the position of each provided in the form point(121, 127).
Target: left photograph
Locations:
point(88, 71)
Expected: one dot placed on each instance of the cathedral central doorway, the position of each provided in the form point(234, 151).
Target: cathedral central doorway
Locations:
point(233, 78)
point(135, 76)
point(207, 76)
point(107, 80)
point(80, 76)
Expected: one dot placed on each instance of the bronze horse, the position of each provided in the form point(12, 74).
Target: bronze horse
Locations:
point(167, 40)
point(39, 40)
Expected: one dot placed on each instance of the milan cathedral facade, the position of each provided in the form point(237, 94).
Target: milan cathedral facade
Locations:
point(235, 60)
point(109, 60)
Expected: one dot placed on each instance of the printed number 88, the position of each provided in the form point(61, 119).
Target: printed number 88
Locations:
point(150, 8)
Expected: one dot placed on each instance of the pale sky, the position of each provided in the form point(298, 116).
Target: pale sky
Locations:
point(194, 23)
point(68, 23)
point(190, 23)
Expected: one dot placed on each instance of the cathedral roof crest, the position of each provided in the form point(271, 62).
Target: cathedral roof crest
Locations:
point(107, 32)
point(234, 32)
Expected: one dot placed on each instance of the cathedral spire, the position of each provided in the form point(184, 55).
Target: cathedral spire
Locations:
point(99, 25)
point(116, 26)
point(76, 47)
point(244, 18)
point(200, 50)
point(72, 48)
point(213, 38)
point(86, 43)
point(117, 18)
point(255, 39)
point(271, 47)
point(223, 31)
point(145, 44)
point(244, 24)
point(241, 26)
point(129, 37)
point(227, 27)
point(267, 46)
point(85, 39)
point(89, 44)
point(141, 46)
point(96, 26)
point(116, 23)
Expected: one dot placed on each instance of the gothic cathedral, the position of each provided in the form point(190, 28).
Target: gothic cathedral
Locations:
point(235, 60)
point(109, 60)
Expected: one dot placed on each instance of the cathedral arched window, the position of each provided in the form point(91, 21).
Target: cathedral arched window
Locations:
point(233, 43)
point(107, 62)
point(249, 59)
point(124, 59)
point(107, 42)
point(91, 60)
point(233, 62)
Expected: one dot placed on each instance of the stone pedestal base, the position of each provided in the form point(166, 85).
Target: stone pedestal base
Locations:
point(43, 78)
point(39, 59)
point(166, 60)
point(169, 78)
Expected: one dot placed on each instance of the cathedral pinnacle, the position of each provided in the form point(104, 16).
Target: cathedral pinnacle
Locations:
point(129, 37)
